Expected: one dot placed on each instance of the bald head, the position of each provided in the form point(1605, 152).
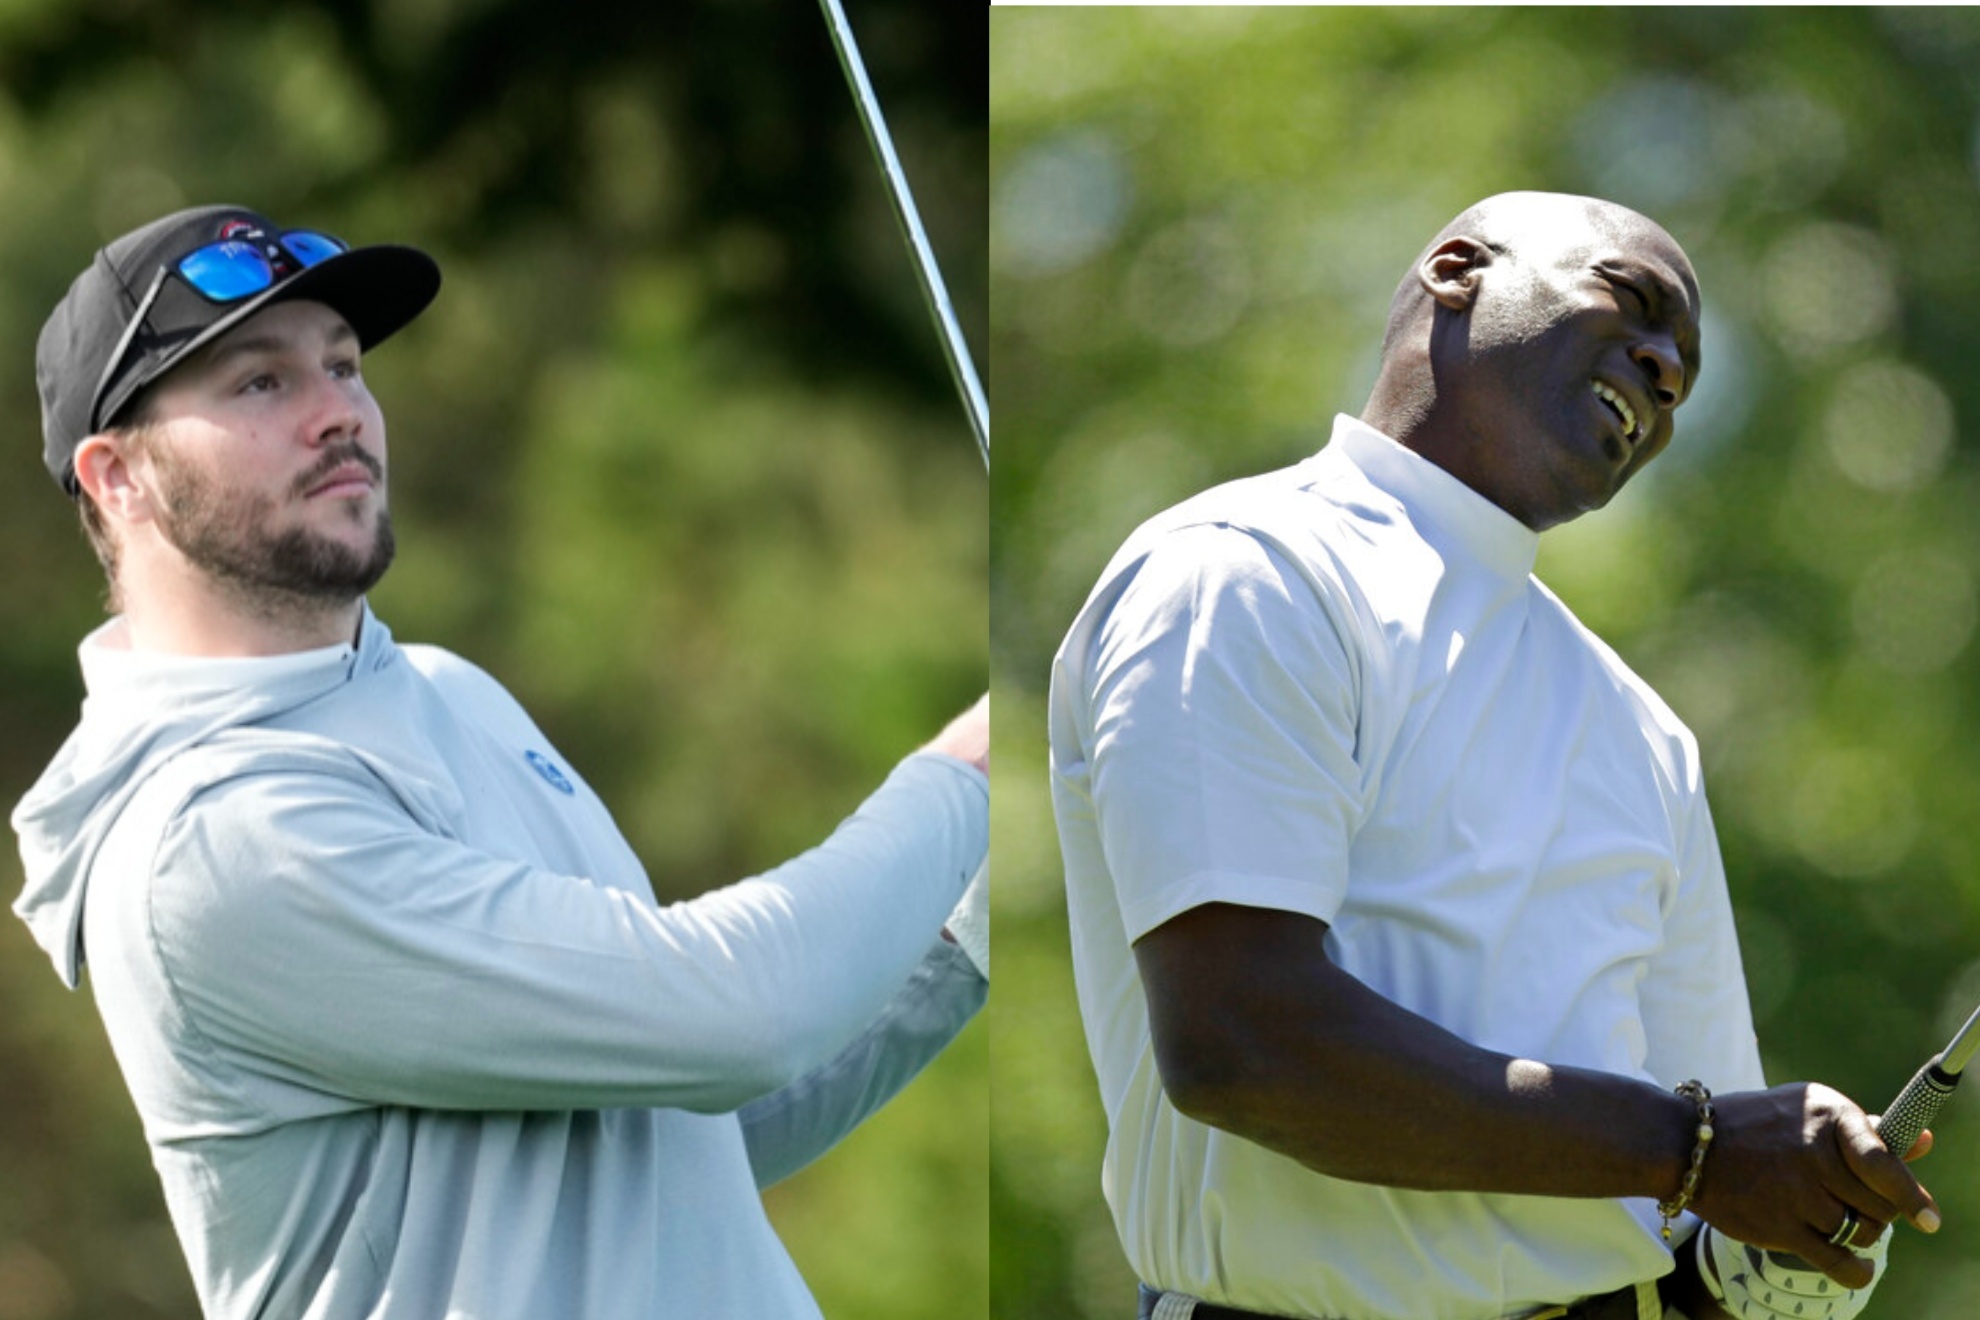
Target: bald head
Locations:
point(1537, 350)
point(1534, 228)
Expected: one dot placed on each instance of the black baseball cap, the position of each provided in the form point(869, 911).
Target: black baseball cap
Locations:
point(377, 290)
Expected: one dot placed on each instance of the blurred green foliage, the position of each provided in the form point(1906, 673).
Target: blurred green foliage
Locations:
point(1197, 218)
point(675, 456)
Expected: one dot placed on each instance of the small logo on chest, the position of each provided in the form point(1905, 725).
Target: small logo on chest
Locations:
point(551, 774)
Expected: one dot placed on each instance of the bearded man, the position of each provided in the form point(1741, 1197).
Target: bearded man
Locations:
point(409, 1034)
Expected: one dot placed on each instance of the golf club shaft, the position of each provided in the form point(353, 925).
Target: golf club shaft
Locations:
point(961, 367)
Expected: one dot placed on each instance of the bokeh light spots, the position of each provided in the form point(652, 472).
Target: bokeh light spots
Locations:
point(1827, 287)
point(1888, 426)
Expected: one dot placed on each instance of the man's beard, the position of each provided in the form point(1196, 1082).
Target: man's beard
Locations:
point(274, 573)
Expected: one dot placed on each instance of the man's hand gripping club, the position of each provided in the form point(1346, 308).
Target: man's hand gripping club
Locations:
point(1789, 1169)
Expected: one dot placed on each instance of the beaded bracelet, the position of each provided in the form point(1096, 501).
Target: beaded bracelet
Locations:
point(1695, 1092)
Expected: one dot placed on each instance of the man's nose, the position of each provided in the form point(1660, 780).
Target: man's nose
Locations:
point(1662, 367)
point(334, 413)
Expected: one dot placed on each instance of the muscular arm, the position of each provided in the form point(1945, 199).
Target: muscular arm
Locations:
point(1257, 1032)
point(1220, 718)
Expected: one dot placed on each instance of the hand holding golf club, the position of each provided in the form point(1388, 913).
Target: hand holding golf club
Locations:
point(1791, 1166)
point(1754, 1283)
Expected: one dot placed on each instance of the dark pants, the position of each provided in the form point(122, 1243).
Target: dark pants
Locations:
point(1619, 1305)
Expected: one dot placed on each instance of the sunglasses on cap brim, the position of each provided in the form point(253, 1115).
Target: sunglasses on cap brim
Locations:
point(222, 272)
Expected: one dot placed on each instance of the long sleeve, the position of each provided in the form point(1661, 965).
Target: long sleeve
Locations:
point(320, 938)
point(791, 1127)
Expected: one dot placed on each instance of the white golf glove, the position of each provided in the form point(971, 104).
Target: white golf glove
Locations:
point(969, 924)
point(1755, 1285)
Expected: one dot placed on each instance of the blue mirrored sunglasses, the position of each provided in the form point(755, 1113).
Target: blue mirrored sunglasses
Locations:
point(234, 268)
point(222, 272)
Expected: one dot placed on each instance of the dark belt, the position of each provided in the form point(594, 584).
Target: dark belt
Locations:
point(1618, 1305)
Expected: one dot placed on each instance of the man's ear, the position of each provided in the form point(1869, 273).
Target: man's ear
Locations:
point(1450, 273)
point(104, 469)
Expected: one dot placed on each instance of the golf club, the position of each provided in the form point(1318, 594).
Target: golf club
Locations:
point(1916, 1105)
point(954, 347)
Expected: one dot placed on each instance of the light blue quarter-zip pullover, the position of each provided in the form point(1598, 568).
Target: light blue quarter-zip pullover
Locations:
point(411, 1037)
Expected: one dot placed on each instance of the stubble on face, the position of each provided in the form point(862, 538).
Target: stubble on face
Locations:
point(235, 536)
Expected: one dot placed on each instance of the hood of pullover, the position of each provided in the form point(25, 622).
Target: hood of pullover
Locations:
point(143, 709)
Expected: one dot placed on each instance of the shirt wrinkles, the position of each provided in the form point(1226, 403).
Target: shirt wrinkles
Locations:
point(1448, 514)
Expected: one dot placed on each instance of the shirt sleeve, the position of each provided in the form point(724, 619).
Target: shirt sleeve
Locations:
point(1223, 706)
point(1697, 1021)
point(316, 935)
point(791, 1127)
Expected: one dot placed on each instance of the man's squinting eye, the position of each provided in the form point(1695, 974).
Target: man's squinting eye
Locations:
point(1625, 287)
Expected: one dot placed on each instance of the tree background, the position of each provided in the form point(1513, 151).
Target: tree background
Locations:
point(1197, 219)
point(675, 456)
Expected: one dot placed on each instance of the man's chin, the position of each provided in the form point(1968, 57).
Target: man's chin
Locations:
point(304, 563)
point(1576, 493)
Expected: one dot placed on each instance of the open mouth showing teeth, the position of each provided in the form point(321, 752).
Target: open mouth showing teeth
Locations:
point(1620, 406)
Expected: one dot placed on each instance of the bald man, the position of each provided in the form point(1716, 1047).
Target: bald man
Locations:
point(1400, 928)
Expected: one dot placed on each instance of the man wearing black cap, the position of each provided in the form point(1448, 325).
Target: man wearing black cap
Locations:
point(409, 1035)
point(164, 296)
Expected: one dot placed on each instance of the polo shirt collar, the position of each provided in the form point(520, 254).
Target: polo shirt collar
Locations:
point(1448, 514)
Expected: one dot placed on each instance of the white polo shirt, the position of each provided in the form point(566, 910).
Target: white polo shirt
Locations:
point(1338, 690)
